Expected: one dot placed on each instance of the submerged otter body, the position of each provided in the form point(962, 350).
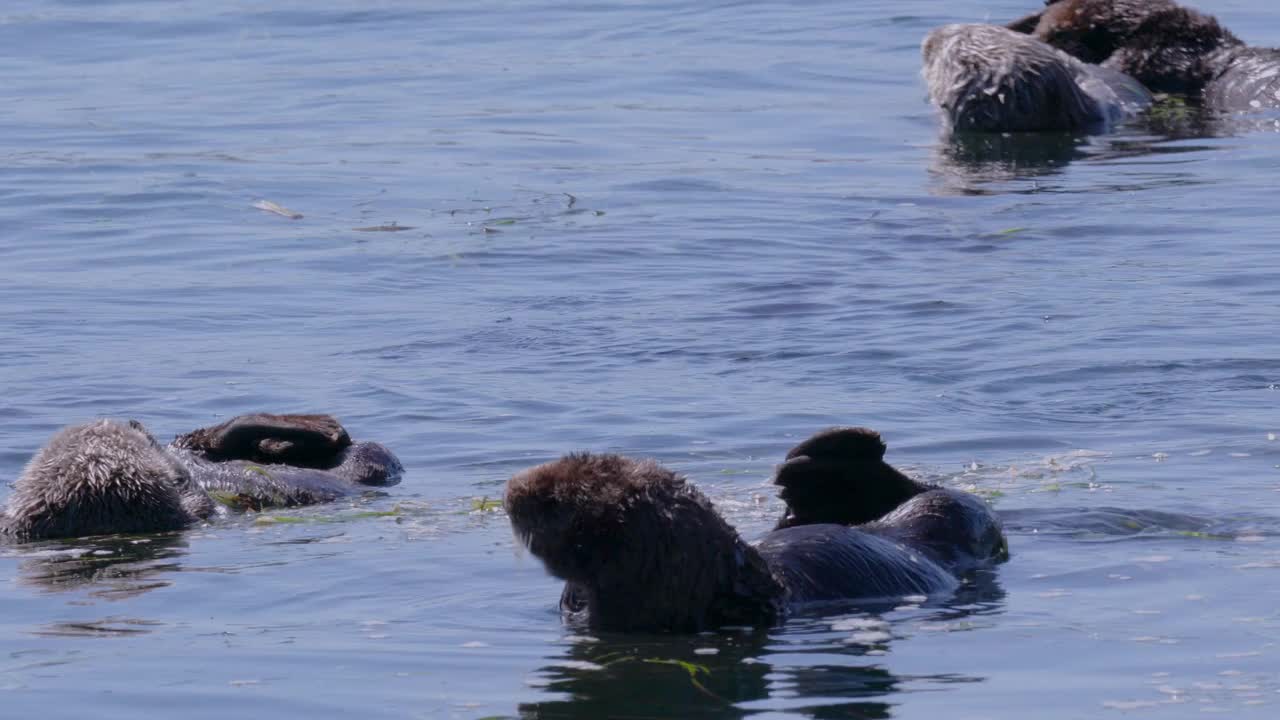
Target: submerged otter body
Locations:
point(284, 460)
point(641, 549)
point(986, 78)
point(113, 477)
point(1165, 46)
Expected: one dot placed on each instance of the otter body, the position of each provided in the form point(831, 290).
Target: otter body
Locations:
point(1165, 46)
point(987, 78)
point(827, 563)
point(110, 476)
point(641, 549)
point(839, 476)
point(1249, 80)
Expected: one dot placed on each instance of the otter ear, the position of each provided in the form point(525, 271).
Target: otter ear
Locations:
point(842, 443)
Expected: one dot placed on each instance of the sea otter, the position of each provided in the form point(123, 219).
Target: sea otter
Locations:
point(111, 476)
point(987, 78)
point(1165, 46)
point(641, 549)
point(839, 476)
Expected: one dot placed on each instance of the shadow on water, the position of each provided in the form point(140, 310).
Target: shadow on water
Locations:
point(111, 568)
point(824, 662)
point(965, 163)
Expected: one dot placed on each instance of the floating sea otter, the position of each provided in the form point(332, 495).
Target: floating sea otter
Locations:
point(641, 549)
point(1167, 47)
point(114, 477)
point(987, 78)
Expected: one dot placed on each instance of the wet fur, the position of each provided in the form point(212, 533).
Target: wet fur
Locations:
point(298, 440)
point(986, 78)
point(110, 476)
point(641, 549)
point(1167, 47)
point(839, 476)
point(99, 478)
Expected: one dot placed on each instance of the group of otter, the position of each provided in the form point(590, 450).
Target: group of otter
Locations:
point(109, 477)
point(1084, 65)
point(638, 546)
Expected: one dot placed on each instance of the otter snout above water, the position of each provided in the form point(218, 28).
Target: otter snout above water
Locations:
point(987, 78)
point(111, 476)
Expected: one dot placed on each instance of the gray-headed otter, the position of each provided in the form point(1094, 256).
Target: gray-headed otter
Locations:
point(114, 477)
point(641, 549)
point(1167, 47)
point(986, 78)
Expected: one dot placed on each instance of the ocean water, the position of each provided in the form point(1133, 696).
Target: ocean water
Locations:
point(694, 231)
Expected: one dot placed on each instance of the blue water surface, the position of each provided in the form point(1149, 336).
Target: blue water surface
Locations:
point(697, 231)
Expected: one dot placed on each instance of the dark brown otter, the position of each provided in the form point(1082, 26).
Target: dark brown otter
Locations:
point(1167, 47)
point(300, 440)
point(839, 476)
point(286, 445)
point(641, 549)
point(110, 477)
point(986, 78)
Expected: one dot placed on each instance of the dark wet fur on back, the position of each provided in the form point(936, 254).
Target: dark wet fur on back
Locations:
point(642, 549)
point(955, 528)
point(1166, 46)
point(829, 563)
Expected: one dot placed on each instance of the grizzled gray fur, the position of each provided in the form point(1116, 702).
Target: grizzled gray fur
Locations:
point(103, 477)
point(986, 78)
point(110, 477)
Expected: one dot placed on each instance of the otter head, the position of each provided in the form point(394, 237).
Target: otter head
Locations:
point(101, 478)
point(1166, 47)
point(640, 548)
point(840, 476)
point(369, 463)
point(986, 78)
